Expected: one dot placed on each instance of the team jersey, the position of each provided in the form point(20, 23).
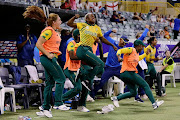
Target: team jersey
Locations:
point(46, 34)
point(151, 55)
point(130, 59)
point(88, 34)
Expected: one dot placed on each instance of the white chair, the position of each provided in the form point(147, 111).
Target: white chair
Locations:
point(110, 84)
point(2, 96)
point(169, 75)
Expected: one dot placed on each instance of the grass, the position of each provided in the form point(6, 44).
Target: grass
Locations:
point(128, 110)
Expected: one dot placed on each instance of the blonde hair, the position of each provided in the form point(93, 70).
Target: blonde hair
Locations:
point(52, 17)
point(85, 17)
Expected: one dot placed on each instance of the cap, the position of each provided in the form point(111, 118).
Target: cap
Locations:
point(119, 12)
point(124, 38)
point(76, 32)
point(138, 42)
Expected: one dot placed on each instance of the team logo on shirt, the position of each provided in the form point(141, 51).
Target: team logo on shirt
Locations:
point(87, 27)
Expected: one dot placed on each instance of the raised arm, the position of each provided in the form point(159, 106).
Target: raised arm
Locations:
point(144, 34)
point(71, 21)
point(104, 40)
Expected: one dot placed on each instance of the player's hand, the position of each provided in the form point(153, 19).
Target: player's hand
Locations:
point(114, 47)
point(97, 40)
point(50, 56)
point(159, 58)
point(114, 31)
point(77, 16)
point(148, 51)
point(147, 26)
point(120, 59)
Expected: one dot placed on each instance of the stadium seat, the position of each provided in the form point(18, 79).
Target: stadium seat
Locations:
point(4, 74)
point(2, 97)
point(110, 84)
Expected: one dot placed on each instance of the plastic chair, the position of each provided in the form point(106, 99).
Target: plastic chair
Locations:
point(169, 75)
point(110, 84)
point(2, 97)
point(24, 76)
point(4, 74)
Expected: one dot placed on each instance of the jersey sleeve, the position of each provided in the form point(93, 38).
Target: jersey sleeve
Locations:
point(80, 25)
point(70, 47)
point(46, 34)
point(99, 32)
point(124, 51)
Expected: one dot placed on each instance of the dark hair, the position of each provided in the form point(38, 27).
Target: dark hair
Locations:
point(179, 16)
point(165, 27)
point(151, 39)
point(166, 51)
point(63, 32)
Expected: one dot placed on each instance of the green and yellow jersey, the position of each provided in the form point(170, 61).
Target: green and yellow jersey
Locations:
point(151, 55)
point(71, 47)
point(88, 33)
point(46, 34)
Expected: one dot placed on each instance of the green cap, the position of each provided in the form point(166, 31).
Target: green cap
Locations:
point(76, 32)
point(138, 42)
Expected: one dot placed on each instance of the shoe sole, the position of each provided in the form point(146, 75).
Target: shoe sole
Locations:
point(159, 105)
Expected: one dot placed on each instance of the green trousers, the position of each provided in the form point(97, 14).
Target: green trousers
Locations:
point(53, 73)
point(152, 72)
point(85, 54)
point(134, 80)
point(77, 85)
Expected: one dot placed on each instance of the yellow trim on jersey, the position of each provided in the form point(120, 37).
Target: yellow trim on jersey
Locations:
point(129, 51)
point(46, 34)
point(88, 34)
point(70, 47)
point(124, 51)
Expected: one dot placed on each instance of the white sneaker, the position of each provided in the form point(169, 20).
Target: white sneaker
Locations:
point(47, 113)
point(115, 101)
point(89, 98)
point(41, 113)
point(157, 104)
point(82, 109)
point(62, 107)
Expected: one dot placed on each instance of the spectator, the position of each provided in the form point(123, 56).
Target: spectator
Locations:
point(73, 4)
point(66, 5)
point(161, 34)
point(121, 18)
point(171, 23)
point(168, 18)
point(163, 20)
point(25, 45)
point(158, 19)
point(150, 13)
point(96, 8)
point(153, 18)
point(103, 9)
point(79, 5)
point(114, 17)
point(166, 33)
point(141, 16)
point(152, 31)
point(87, 6)
point(136, 17)
point(65, 35)
point(176, 26)
point(168, 66)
